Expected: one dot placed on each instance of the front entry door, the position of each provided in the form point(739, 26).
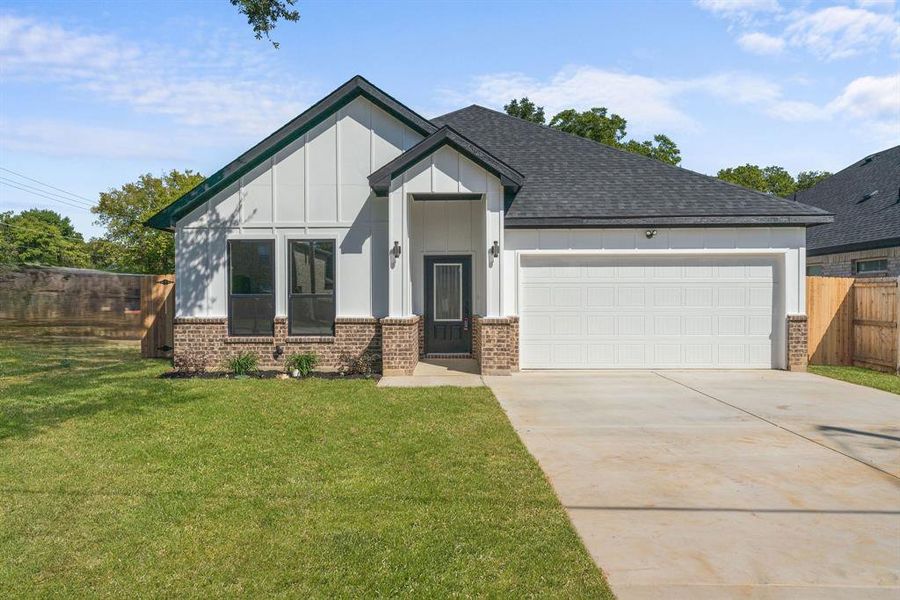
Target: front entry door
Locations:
point(448, 304)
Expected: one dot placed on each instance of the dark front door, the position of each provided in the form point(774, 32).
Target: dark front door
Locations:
point(448, 304)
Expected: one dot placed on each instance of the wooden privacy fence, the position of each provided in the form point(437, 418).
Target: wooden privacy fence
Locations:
point(157, 316)
point(853, 322)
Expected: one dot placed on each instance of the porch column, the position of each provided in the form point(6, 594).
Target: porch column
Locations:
point(399, 275)
point(493, 229)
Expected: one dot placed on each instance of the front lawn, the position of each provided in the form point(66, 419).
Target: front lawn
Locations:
point(881, 381)
point(116, 483)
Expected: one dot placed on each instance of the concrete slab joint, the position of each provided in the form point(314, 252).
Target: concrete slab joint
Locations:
point(797, 342)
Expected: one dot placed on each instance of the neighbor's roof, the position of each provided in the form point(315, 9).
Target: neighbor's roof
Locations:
point(573, 181)
point(865, 200)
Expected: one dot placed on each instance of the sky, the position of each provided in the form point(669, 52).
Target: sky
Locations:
point(93, 94)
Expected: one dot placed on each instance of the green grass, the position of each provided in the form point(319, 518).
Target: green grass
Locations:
point(116, 483)
point(881, 381)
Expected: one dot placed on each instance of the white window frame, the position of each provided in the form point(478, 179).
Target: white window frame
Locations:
point(434, 267)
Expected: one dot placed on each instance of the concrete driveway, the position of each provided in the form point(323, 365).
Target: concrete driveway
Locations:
point(725, 484)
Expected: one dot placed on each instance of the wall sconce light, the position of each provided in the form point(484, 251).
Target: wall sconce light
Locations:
point(650, 233)
point(396, 250)
point(495, 249)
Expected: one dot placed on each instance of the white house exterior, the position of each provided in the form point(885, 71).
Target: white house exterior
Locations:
point(362, 227)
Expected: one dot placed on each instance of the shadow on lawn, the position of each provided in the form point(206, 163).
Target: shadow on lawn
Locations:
point(77, 383)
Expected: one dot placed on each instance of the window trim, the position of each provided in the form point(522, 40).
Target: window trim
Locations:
point(878, 273)
point(290, 283)
point(271, 242)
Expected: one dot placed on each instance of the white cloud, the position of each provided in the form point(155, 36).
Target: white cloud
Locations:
point(52, 137)
point(761, 43)
point(644, 99)
point(653, 105)
point(840, 32)
point(223, 87)
point(739, 10)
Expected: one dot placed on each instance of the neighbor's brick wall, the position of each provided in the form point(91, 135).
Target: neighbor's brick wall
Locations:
point(841, 265)
point(205, 342)
point(400, 345)
point(496, 345)
point(797, 340)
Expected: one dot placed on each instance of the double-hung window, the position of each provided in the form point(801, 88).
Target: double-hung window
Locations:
point(311, 293)
point(251, 287)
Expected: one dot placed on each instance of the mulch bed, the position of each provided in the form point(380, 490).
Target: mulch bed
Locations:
point(262, 375)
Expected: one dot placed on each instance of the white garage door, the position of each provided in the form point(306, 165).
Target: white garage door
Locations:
point(591, 312)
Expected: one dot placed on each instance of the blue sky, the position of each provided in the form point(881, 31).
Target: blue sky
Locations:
point(93, 94)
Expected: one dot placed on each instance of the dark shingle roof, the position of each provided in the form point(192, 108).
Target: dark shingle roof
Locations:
point(859, 222)
point(572, 181)
point(380, 180)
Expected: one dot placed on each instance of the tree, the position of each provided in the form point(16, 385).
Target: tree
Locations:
point(594, 124)
point(41, 237)
point(752, 176)
point(127, 244)
point(262, 15)
point(665, 149)
point(807, 179)
point(525, 109)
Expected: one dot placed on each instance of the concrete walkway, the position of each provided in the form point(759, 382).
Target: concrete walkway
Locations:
point(702, 484)
point(434, 372)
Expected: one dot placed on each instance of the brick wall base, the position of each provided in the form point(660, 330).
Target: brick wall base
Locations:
point(797, 342)
point(495, 344)
point(204, 343)
point(400, 345)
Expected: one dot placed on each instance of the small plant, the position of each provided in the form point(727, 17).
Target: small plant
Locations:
point(242, 364)
point(302, 363)
point(365, 364)
point(191, 361)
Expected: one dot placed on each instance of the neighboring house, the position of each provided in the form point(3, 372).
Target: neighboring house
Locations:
point(864, 240)
point(361, 225)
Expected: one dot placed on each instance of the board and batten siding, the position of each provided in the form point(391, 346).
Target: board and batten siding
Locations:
point(442, 228)
point(789, 242)
point(316, 187)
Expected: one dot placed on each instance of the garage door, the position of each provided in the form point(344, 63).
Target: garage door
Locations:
point(589, 312)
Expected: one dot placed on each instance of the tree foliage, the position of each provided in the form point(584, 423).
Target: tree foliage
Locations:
point(128, 245)
point(772, 179)
point(807, 179)
point(525, 109)
point(600, 125)
point(41, 237)
point(263, 15)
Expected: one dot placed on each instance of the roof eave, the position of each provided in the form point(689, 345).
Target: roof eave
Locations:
point(666, 221)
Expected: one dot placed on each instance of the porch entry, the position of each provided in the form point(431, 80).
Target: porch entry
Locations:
point(448, 304)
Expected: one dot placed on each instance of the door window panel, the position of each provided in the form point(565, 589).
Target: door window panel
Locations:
point(447, 292)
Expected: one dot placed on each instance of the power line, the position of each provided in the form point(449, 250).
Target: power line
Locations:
point(88, 200)
point(37, 189)
point(45, 196)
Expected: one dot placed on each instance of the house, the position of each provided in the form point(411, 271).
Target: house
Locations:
point(864, 240)
point(362, 226)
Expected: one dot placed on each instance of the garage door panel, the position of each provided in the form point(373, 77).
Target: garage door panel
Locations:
point(699, 312)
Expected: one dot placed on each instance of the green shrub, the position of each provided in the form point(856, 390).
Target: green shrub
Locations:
point(242, 364)
point(304, 363)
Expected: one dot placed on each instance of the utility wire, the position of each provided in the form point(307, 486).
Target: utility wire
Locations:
point(45, 196)
point(37, 189)
point(88, 200)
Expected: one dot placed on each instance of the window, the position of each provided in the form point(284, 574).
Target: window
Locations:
point(814, 270)
point(251, 285)
point(870, 267)
point(311, 294)
point(447, 292)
